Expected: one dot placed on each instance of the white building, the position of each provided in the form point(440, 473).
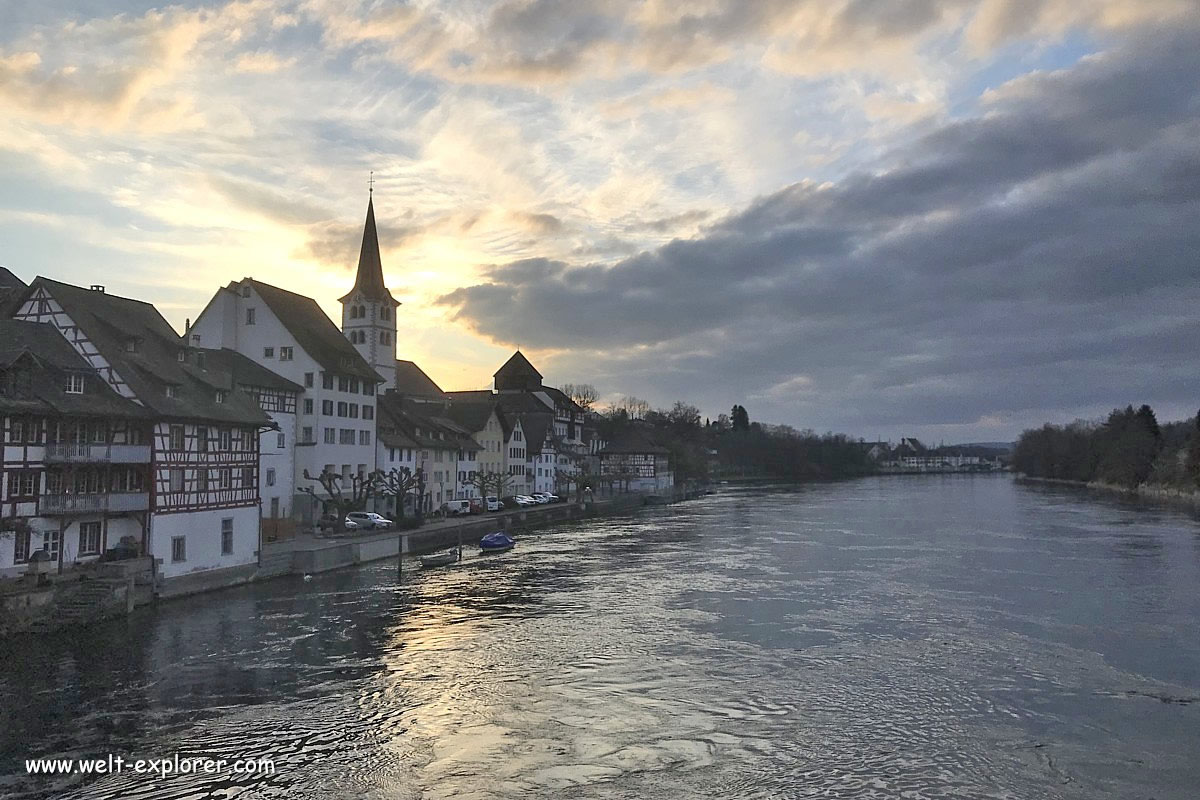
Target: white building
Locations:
point(291, 336)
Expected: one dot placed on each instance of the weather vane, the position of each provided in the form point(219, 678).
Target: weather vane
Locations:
point(371, 183)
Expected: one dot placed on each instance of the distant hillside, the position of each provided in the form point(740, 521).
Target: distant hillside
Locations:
point(1003, 447)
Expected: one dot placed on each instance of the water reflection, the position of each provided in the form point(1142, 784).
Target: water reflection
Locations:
point(943, 638)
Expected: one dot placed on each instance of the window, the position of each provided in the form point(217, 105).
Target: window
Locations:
point(385, 313)
point(268, 352)
point(343, 383)
point(181, 356)
point(202, 439)
point(227, 536)
point(249, 316)
point(202, 480)
point(169, 390)
point(225, 439)
point(176, 438)
point(178, 548)
point(346, 436)
point(176, 480)
point(75, 383)
point(326, 380)
point(89, 538)
point(327, 408)
point(131, 344)
point(270, 476)
point(21, 547)
point(354, 411)
point(308, 380)
point(22, 484)
point(246, 290)
point(308, 405)
point(280, 440)
point(51, 543)
point(330, 436)
point(368, 412)
point(247, 477)
point(225, 478)
point(343, 409)
point(368, 388)
point(285, 354)
point(307, 434)
point(364, 437)
point(383, 337)
point(354, 386)
point(221, 396)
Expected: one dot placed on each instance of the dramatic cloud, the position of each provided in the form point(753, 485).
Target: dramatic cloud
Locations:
point(1038, 256)
point(920, 216)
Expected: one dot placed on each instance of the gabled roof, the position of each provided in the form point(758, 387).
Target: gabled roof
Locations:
point(313, 330)
point(411, 381)
point(112, 322)
point(50, 358)
point(368, 281)
point(633, 441)
point(536, 426)
point(241, 370)
point(472, 416)
point(517, 366)
point(12, 289)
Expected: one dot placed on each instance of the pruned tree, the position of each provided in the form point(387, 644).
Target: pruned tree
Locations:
point(498, 482)
point(398, 483)
point(343, 493)
point(634, 407)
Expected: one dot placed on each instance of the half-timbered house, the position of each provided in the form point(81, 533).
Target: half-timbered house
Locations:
point(204, 526)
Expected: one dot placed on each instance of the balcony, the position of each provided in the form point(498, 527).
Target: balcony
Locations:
point(117, 502)
point(86, 453)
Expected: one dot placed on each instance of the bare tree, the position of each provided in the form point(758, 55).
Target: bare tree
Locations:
point(344, 498)
point(497, 481)
point(398, 482)
point(634, 407)
point(584, 394)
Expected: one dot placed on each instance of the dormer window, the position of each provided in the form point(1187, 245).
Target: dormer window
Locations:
point(221, 395)
point(170, 390)
point(132, 344)
point(74, 383)
point(246, 290)
point(181, 356)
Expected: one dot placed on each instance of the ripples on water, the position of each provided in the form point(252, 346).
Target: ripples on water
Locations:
point(924, 638)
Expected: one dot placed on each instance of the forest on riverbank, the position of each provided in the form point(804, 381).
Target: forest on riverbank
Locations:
point(1129, 449)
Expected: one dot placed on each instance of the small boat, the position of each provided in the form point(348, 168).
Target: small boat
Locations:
point(442, 559)
point(497, 542)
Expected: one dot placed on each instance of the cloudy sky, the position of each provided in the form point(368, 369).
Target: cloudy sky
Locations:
point(952, 218)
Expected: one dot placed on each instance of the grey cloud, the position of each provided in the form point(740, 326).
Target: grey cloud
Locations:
point(1037, 259)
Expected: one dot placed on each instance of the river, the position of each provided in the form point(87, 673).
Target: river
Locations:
point(924, 637)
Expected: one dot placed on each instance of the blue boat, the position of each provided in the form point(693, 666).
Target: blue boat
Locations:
point(497, 542)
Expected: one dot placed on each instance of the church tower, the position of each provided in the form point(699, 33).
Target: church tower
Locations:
point(369, 310)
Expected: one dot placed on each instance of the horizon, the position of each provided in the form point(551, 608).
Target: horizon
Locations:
point(959, 222)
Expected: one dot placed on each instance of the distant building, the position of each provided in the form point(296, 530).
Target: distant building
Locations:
point(636, 462)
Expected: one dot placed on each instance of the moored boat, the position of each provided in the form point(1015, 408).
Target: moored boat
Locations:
point(442, 559)
point(497, 542)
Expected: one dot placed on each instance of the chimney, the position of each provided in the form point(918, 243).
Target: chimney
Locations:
point(97, 288)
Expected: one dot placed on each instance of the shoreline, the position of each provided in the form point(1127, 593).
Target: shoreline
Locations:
point(1155, 494)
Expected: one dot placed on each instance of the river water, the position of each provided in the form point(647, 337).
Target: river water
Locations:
point(940, 636)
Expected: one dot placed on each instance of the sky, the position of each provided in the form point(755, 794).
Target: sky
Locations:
point(953, 219)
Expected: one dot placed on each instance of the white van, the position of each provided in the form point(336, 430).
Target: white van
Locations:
point(494, 504)
point(456, 508)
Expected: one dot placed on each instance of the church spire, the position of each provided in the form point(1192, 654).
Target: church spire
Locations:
point(369, 280)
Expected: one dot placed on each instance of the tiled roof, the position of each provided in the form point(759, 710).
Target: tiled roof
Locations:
point(50, 358)
point(112, 323)
point(12, 289)
point(313, 330)
point(412, 381)
point(634, 441)
point(517, 366)
point(241, 370)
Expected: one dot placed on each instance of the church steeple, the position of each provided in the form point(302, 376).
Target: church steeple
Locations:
point(369, 310)
point(368, 283)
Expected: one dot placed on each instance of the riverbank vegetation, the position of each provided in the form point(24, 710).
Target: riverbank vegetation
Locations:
point(733, 445)
point(1129, 449)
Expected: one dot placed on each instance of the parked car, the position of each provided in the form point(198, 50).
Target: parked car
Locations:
point(493, 504)
point(456, 508)
point(329, 522)
point(526, 499)
point(552, 498)
point(541, 498)
point(368, 520)
point(515, 501)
